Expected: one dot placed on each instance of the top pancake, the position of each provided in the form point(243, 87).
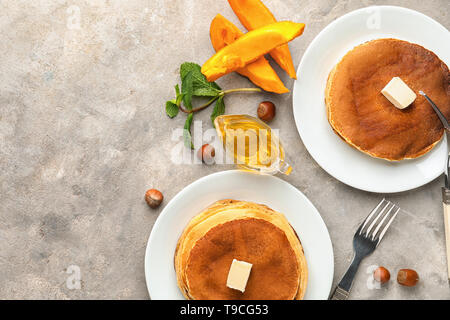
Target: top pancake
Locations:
point(274, 274)
point(231, 229)
point(365, 119)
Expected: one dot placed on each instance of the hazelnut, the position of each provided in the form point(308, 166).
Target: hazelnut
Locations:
point(382, 275)
point(266, 111)
point(206, 153)
point(153, 198)
point(407, 277)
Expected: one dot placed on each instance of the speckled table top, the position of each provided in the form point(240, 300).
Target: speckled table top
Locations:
point(83, 135)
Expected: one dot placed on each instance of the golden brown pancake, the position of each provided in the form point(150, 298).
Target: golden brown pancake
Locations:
point(360, 114)
point(245, 231)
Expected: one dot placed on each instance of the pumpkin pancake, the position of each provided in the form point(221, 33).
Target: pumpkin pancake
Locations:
point(245, 231)
point(360, 114)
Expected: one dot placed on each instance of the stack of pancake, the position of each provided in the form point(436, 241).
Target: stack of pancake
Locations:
point(245, 231)
point(360, 114)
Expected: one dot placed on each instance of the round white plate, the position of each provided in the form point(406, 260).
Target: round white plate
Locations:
point(335, 156)
point(271, 191)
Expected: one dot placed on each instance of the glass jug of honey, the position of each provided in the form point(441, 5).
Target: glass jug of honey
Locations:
point(252, 144)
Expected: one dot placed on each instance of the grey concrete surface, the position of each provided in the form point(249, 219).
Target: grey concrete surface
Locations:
point(83, 135)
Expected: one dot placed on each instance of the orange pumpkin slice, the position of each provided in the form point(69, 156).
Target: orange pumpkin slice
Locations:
point(223, 33)
point(254, 14)
point(250, 47)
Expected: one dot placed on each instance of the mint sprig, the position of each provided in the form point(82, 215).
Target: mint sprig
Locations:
point(194, 84)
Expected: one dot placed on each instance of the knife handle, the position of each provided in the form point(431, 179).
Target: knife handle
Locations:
point(446, 203)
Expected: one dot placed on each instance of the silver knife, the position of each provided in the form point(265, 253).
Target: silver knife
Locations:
point(446, 189)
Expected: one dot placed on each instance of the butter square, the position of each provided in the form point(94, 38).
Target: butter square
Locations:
point(398, 93)
point(238, 275)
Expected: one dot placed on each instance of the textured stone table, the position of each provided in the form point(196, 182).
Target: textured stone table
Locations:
point(83, 134)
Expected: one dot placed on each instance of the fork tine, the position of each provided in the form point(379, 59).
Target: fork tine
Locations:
point(382, 212)
point(360, 229)
point(375, 232)
point(387, 225)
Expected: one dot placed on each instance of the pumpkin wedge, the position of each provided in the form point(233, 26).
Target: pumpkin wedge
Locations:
point(223, 33)
point(254, 14)
point(250, 47)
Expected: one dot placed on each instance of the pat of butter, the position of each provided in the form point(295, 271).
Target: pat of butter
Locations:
point(398, 93)
point(238, 275)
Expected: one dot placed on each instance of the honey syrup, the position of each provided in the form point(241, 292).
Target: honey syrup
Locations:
point(252, 144)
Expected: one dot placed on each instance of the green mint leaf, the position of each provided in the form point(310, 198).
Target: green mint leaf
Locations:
point(187, 131)
point(172, 108)
point(187, 67)
point(203, 91)
point(180, 95)
point(179, 99)
point(219, 109)
point(187, 89)
point(201, 86)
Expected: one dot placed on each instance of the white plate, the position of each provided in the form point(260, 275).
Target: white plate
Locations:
point(273, 192)
point(336, 157)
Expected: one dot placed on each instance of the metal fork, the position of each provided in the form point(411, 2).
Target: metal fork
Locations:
point(366, 239)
